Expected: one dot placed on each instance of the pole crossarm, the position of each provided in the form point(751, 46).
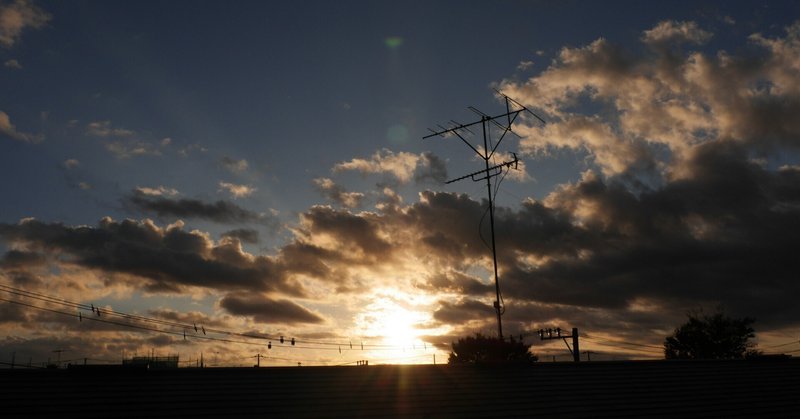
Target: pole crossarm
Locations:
point(550, 334)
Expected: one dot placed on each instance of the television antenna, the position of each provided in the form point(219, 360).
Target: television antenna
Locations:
point(502, 122)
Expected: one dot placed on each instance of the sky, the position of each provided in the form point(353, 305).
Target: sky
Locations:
point(205, 177)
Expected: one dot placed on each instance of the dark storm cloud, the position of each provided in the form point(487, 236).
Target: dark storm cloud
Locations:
point(219, 211)
point(166, 258)
point(246, 235)
point(459, 282)
point(21, 259)
point(725, 235)
point(431, 168)
point(194, 317)
point(448, 224)
point(267, 310)
point(360, 231)
point(12, 313)
point(462, 311)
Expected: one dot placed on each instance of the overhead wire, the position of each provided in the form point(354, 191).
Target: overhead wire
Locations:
point(299, 343)
point(625, 345)
point(173, 333)
point(783, 344)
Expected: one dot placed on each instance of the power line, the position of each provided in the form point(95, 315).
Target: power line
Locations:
point(295, 343)
point(623, 342)
point(784, 344)
point(611, 345)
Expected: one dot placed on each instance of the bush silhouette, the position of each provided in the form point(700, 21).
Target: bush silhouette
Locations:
point(482, 349)
point(711, 337)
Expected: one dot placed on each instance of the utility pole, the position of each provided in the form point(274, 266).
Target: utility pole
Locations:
point(502, 122)
point(58, 351)
point(549, 334)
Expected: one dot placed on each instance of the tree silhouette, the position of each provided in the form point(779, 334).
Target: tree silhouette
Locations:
point(711, 337)
point(482, 349)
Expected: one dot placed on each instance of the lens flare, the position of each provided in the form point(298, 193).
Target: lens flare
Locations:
point(393, 42)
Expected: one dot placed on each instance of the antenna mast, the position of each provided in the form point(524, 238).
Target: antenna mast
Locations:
point(502, 122)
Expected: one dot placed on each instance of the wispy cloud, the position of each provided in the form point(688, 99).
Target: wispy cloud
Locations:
point(402, 166)
point(157, 191)
point(219, 211)
point(18, 16)
point(105, 129)
point(8, 129)
point(70, 163)
point(670, 31)
point(234, 166)
point(237, 191)
point(13, 63)
point(336, 193)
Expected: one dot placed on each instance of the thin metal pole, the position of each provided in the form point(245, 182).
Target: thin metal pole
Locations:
point(491, 223)
point(576, 351)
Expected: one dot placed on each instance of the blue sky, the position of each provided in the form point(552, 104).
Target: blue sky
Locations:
point(280, 146)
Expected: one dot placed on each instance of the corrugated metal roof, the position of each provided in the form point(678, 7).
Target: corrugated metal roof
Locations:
point(753, 388)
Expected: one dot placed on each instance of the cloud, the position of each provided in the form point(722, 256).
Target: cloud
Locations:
point(244, 234)
point(237, 191)
point(122, 142)
point(361, 232)
point(402, 166)
point(336, 193)
point(234, 166)
point(157, 191)
point(70, 164)
point(8, 129)
point(134, 148)
point(671, 100)
point(105, 129)
point(524, 65)
point(193, 317)
point(593, 252)
point(456, 282)
point(189, 149)
point(219, 211)
point(267, 310)
point(430, 168)
point(672, 31)
point(462, 311)
point(691, 198)
point(13, 63)
point(16, 17)
point(21, 259)
point(159, 259)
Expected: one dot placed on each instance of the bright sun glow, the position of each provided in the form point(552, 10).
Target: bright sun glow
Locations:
point(397, 326)
point(392, 319)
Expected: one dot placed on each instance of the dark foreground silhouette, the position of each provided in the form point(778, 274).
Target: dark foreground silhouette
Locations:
point(731, 388)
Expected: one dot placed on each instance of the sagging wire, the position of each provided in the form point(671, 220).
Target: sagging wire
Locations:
point(296, 343)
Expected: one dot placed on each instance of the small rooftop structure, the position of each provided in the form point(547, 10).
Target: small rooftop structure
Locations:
point(152, 362)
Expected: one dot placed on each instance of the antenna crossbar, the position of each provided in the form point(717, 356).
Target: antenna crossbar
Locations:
point(490, 172)
point(484, 119)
